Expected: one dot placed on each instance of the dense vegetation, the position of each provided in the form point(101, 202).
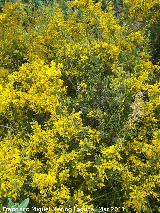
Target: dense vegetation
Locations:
point(79, 111)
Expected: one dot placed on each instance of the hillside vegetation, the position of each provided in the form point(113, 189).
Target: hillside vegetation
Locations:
point(80, 104)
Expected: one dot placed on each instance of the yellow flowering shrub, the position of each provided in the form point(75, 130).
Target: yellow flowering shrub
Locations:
point(12, 43)
point(146, 12)
point(79, 110)
point(46, 151)
point(141, 147)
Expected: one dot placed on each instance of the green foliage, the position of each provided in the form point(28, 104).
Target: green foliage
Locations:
point(155, 41)
point(16, 207)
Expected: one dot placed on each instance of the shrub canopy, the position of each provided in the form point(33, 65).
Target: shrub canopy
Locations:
point(79, 109)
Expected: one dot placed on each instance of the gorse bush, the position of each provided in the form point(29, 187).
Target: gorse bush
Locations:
point(79, 93)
